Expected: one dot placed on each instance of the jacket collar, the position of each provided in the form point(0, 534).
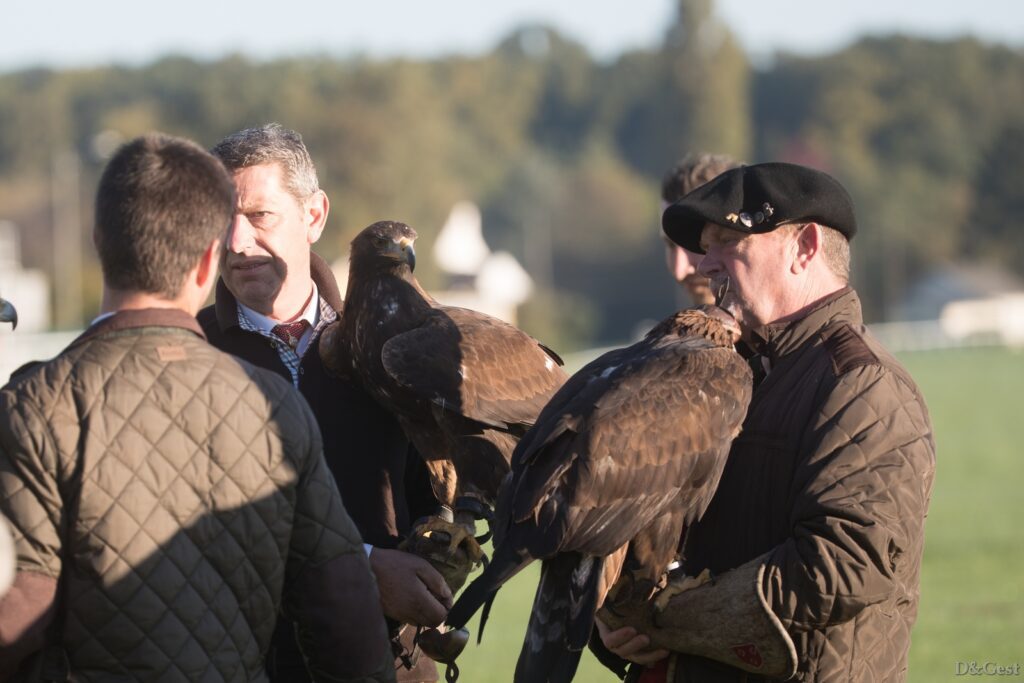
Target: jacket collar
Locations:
point(142, 317)
point(226, 306)
point(779, 339)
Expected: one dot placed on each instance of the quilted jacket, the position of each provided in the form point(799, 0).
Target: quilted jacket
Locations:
point(832, 475)
point(179, 499)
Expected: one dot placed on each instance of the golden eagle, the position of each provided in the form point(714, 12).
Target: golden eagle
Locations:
point(463, 385)
point(627, 452)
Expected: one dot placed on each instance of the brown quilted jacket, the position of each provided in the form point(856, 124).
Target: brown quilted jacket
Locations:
point(179, 498)
point(832, 474)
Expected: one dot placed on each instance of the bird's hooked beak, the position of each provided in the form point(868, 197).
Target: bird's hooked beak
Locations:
point(724, 316)
point(402, 250)
point(8, 314)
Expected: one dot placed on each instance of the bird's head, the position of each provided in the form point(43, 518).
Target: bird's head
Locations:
point(8, 314)
point(706, 320)
point(385, 245)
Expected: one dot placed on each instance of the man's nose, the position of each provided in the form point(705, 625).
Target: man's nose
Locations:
point(709, 265)
point(240, 234)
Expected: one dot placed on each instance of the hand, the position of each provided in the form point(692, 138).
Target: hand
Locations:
point(629, 644)
point(411, 591)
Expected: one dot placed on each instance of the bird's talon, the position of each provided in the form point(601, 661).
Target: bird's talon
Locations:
point(677, 585)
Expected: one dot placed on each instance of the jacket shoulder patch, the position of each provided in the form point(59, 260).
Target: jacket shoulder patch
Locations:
point(171, 353)
point(847, 349)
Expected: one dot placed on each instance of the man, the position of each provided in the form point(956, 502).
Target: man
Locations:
point(815, 535)
point(274, 299)
point(168, 499)
point(690, 173)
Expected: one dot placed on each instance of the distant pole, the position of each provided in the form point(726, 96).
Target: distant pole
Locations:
point(67, 241)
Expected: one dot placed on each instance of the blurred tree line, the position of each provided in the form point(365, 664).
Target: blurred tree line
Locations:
point(564, 153)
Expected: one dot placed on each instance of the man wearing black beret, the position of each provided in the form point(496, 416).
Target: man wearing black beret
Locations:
point(813, 541)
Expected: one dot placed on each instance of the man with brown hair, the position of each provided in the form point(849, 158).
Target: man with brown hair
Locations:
point(273, 301)
point(167, 499)
point(690, 173)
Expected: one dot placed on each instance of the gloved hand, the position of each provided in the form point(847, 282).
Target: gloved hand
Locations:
point(449, 547)
point(725, 618)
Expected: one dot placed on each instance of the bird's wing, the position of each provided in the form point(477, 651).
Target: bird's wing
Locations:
point(475, 365)
point(648, 430)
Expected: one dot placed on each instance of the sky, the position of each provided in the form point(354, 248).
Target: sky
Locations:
point(133, 32)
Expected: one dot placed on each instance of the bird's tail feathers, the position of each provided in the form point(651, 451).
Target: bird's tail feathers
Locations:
point(505, 563)
point(561, 620)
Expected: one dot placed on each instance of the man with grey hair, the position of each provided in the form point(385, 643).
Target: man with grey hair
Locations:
point(691, 172)
point(814, 538)
point(273, 301)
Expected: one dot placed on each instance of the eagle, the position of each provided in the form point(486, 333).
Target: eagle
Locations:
point(8, 314)
point(463, 385)
point(628, 452)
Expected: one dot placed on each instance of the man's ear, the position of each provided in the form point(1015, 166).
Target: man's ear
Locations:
point(316, 207)
point(206, 273)
point(808, 246)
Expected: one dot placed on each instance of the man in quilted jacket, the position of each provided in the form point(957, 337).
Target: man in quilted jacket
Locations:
point(812, 544)
point(168, 500)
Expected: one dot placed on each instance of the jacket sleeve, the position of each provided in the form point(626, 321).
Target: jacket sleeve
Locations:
point(860, 498)
point(330, 592)
point(31, 502)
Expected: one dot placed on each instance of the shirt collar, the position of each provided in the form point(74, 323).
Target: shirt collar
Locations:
point(101, 317)
point(146, 317)
point(779, 339)
point(311, 314)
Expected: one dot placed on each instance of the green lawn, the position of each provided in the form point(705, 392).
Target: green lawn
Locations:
point(972, 584)
point(972, 591)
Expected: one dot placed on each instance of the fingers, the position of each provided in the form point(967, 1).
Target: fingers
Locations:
point(405, 593)
point(629, 644)
point(647, 657)
point(416, 604)
point(435, 583)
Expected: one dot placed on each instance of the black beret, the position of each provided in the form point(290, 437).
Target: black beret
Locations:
point(760, 198)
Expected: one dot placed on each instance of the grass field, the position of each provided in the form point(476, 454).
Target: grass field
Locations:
point(972, 590)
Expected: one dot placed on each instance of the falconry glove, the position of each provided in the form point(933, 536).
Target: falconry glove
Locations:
point(725, 619)
point(449, 547)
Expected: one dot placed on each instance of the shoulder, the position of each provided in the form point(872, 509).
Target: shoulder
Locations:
point(869, 382)
point(852, 347)
point(208, 319)
point(847, 347)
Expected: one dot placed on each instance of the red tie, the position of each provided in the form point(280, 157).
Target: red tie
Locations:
point(291, 333)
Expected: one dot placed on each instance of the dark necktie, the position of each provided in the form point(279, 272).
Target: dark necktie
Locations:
point(291, 333)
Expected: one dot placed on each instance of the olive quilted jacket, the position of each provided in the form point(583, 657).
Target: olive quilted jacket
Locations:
point(178, 499)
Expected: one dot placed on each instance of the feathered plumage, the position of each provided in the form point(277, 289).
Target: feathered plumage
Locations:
point(627, 452)
point(463, 385)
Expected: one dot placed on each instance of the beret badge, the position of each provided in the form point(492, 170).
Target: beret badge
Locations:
point(750, 220)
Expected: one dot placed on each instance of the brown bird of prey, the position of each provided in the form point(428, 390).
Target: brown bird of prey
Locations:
point(627, 452)
point(8, 314)
point(463, 385)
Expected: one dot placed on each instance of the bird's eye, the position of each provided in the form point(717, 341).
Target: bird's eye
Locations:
point(380, 242)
